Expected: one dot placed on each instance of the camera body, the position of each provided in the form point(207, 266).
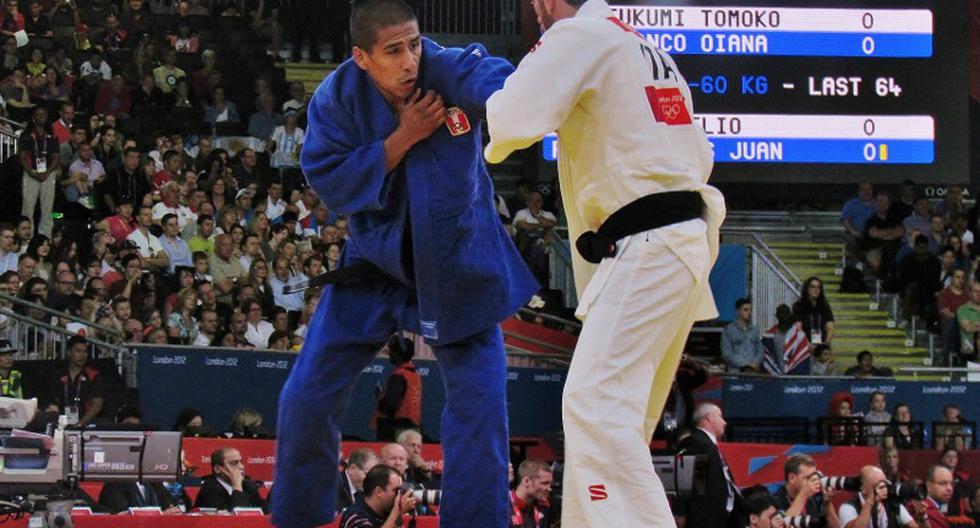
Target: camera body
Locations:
point(905, 492)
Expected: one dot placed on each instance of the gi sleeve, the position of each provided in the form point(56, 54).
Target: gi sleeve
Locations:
point(469, 77)
point(543, 91)
point(349, 177)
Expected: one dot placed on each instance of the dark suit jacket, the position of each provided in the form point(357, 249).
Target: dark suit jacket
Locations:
point(213, 495)
point(706, 509)
point(120, 496)
point(344, 496)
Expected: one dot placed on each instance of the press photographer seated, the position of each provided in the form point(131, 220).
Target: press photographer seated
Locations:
point(875, 505)
point(803, 493)
point(382, 503)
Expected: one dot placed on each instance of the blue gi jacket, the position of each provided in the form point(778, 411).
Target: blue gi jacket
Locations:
point(464, 268)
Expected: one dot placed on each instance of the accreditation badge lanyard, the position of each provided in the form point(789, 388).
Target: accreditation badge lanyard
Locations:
point(78, 388)
point(518, 518)
point(40, 153)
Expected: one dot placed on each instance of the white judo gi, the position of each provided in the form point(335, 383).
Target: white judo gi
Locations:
point(625, 124)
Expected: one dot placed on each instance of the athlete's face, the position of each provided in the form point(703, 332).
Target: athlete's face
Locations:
point(393, 60)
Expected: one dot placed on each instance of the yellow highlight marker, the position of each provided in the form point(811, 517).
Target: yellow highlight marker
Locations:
point(883, 151)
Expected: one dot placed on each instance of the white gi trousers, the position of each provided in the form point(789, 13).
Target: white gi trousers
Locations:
point(640, 307)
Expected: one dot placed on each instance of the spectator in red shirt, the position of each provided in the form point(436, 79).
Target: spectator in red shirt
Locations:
point(61, 129)
point(950, 299)
point(171, 169)
point(13, 20)
point(114, 98)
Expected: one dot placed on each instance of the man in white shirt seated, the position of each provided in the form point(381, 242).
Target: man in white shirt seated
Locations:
point(275, 206)
point(283, 276)
point(170, 204)
point(534, 222)
point(83, 174)
point(257, 330)
point(868, 508)
point(152, 253)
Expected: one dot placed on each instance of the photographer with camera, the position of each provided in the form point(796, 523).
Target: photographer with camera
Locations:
point(874, 507)
point(760, 507)
point(382, 503)
point(804, 493)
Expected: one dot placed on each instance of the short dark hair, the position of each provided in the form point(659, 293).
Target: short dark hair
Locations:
point(793, 464)
point(169, 154)
point(742, 302)
point(166, 218)
point(74, 340)
point(575, 3)
point(218, 456)
point(378, 477)
point(370, 16)
point(863, 354)
point(758, 500)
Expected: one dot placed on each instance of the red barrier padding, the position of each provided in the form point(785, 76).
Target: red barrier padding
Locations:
point(562, 342)
point(184, 521)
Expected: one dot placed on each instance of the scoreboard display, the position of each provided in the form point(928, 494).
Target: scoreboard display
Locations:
point(820, 91)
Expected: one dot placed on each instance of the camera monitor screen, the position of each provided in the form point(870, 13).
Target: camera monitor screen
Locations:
point(129, 455)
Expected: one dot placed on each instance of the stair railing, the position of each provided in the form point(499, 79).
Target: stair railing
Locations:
point(770, 288)
point(777, 262)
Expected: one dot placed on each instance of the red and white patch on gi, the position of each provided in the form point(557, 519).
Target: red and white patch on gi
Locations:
point(457, 122)
point(668, 106)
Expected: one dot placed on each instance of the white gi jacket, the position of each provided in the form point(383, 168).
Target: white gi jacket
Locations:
point(623, 113)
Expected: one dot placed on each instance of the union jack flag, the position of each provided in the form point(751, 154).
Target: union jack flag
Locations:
point(795, 351)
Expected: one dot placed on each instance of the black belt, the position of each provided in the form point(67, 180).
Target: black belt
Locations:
point(359, 270)
point(650, 212)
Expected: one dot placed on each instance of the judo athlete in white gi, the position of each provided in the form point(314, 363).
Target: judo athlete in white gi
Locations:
point(623, 114)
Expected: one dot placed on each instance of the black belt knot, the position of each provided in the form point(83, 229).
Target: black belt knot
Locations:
point(650, 212)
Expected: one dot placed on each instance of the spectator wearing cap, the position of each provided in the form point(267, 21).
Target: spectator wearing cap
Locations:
point(10, 379)
point(741, 342)
point(78, 386)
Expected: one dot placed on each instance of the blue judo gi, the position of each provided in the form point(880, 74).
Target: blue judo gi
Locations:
point(449, 272)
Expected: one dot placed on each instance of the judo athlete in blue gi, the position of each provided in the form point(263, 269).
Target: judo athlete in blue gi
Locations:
point(394, 141)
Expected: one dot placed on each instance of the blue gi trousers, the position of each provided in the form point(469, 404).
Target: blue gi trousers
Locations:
point(346, 332)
